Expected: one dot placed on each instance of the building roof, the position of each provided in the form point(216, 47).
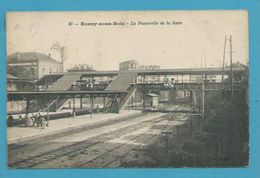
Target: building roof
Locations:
point(10, 77)
point(16, 80)
point(192, 71)
point(29, 56)
point(152, 95)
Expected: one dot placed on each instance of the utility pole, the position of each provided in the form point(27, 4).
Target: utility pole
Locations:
point(231, 68)
point(203, 97)
point(191, 124)
point(166, 133)
point(201, 61)
point(223, 66)
point(205, 60)
point(203, 87)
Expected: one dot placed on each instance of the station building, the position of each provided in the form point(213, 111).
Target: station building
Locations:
point(25, 68)
point(32, 65)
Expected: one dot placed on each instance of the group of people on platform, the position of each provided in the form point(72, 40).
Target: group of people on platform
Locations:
point(34, 120)
point(95, 86)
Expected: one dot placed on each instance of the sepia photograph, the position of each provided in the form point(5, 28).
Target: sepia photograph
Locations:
point(127, 89)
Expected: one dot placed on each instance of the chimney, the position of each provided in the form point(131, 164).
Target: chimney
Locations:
point(49, 55)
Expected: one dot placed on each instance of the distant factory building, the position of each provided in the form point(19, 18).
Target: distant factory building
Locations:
point(149, 67)
point(31, 65)
point(81, 68)
point(129, 65)
point(134, 65)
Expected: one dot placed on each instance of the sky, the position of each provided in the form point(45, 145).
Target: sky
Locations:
point(188, 38)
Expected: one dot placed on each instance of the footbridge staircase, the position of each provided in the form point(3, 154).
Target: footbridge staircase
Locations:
point(124, 81)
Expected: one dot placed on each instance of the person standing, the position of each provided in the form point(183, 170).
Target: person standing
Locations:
point(30, 121)
point(20, 120)
point(97, 109)
point(35, 119)
point(43, 122)
point(10, 120)
point(26, 120)
point(39, 123)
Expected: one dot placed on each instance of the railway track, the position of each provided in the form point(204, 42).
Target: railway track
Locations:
point(116, 149)
point(34, 160)
point(87, 153)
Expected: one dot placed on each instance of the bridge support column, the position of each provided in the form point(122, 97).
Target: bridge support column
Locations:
point(132, 102)
point(27, 105)
point(104, 104)
point(92, 105)
point(48, 116)
point(104, 101)
point(46, 83)
point(74, 108)
point(80, 100)
point(92, 102)
point(56, 104)
point(69, 103)
point(115, 105)
point(144, 95)
point(48, 111)
point(135, 101)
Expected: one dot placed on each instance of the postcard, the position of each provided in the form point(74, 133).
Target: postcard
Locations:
point(127, 89)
